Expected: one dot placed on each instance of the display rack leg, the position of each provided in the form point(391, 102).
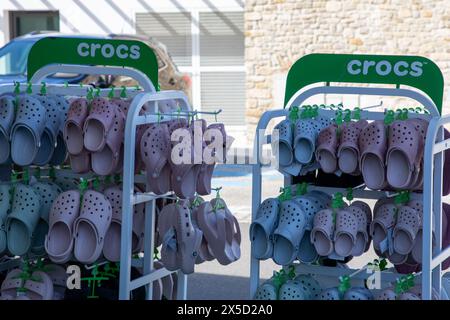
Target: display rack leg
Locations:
point(125, 247)
point(256, 200)
point(149, 244)
point(437, 210)
point(181, 286)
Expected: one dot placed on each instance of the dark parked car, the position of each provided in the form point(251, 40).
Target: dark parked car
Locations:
point(14, 55)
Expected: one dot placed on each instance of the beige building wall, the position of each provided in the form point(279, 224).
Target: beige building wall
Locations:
point(278, 32)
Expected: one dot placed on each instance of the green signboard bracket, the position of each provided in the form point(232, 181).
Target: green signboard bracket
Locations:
point(415, 71)
point(93, 52)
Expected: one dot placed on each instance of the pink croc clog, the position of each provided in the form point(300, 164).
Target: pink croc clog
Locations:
point(327, 144)
point(404, 154)
point(98, 123)
point(91, 226)
point(372, 146)
point(348, 151)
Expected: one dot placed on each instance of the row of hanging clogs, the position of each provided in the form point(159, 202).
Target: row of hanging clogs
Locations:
point(401, 228)
point(414, 293)
point(24, 214)
point(305, 287)
point(386, 155)
point(31, 129)
point(294, 143)
point(47, 283)
point(169, 168)
point(342, 231)
point(86, 225)
point(282, 229)
point(94, 134)
point(191, 232)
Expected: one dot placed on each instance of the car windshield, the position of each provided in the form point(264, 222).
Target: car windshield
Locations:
point(13, 58)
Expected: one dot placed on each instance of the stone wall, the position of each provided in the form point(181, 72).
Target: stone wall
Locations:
point(278, 32)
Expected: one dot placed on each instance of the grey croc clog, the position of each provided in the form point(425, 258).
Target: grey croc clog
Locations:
point(294, 290)
point(48, 192)
point(59, 279)
point(5, 209)
point(384, 219)
point(304, 141)
point(38, 287)
point(311, 284)
point(307, 252)
point(362, 236)
point(262, 228)
point(358, 293)
point(323, 231)
point(111, 249)
point(310, 205)
point(387, 294)
point(406, 229)
point(348, 150)
point(373, 143)
point(283, 144)
point(330, 294)
point(49, 136)
point(421, 127)
point(266, 291)
point(60, 153)
point(7, 115)
point(27, 130)
point(22, 221)
point(289, 232)
point(282, 148)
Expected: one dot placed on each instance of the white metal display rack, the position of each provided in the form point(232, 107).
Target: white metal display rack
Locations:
point(333, 68)
point(148, 96)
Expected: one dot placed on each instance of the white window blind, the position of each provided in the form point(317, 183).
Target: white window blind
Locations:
point(221, 38)
point(172, 29)
point(225, 90)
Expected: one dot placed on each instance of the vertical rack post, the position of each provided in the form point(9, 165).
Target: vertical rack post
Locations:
point(437, 211)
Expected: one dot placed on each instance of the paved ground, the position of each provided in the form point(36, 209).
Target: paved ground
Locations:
point(214, 281)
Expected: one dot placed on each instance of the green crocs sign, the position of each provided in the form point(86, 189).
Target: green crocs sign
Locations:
point(96, 52)
point(415, 71)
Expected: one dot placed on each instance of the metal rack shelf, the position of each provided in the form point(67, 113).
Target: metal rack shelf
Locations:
point(431, 277)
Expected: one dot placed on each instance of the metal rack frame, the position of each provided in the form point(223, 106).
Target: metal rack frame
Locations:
point(431, 276)
point(130, 197)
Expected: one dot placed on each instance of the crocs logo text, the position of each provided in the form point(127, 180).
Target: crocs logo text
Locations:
point(107, 50)
point(384, 68)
